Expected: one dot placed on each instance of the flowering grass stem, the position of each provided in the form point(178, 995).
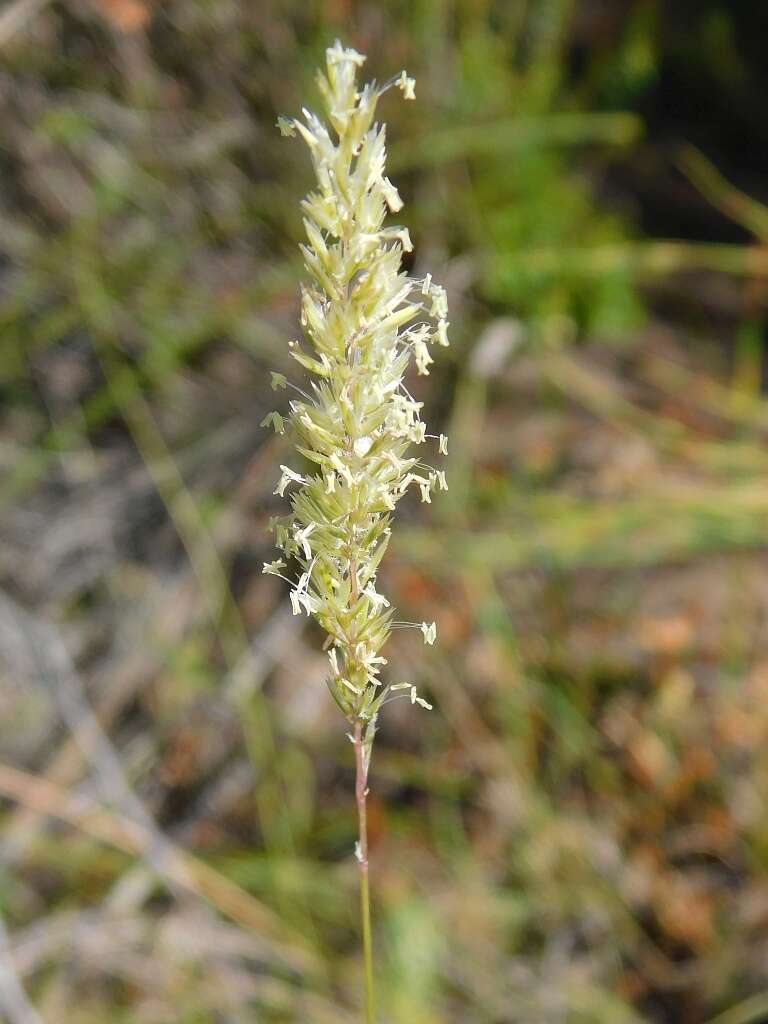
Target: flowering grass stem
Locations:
point(364, 321)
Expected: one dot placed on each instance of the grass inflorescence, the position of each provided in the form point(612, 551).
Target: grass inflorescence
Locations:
point(364, 320)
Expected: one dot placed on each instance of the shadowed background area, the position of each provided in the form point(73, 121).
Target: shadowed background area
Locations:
point(577, 833)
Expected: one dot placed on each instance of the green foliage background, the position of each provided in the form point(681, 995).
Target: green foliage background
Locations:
point(578, 832)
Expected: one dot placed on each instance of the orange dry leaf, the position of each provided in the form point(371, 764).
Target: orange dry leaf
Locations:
point(757, 681)
point(415, 586)
point(739, 727)
point(670, 635)
point(684, 911)
point(125, 15)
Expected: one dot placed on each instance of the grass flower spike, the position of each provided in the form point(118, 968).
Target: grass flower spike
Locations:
point(356, 424)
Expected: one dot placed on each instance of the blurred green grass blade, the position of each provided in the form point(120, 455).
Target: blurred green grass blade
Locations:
point(642, 259)
point(504, 137)
point(734, 203)
point(751, 1010)
point(565, 533)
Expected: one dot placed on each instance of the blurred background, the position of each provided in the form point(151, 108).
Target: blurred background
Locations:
point(578, 833)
